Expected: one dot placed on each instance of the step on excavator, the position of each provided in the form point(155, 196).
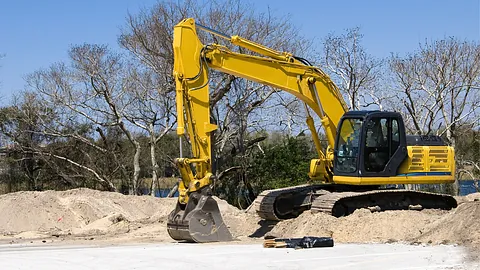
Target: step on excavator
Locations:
point(367, 150)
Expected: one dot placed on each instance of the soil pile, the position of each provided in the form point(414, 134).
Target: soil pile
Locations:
point(460, 226)
point(78, 211)
point(85, 212)
point(362, 226)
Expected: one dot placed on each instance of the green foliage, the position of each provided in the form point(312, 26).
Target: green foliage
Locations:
point(467, 145)
point(283, 163)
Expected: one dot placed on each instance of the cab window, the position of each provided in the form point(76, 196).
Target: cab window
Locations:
point(348, 145)
point(377, 150)
point(395, 136)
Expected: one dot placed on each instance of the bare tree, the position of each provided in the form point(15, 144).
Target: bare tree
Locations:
point(47, 150)
point(20, 123)
point(355, 71)
point(63, 123)
point(152, 110)
point(93, 90)
point(438, 86)
point(103, 101)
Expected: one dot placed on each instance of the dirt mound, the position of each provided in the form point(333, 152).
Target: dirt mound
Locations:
point(85, 212)
point(468, 198)
point(240, 223)
point(307, 224)
point(459, 226)
point(362, 226)
point(473, 197)
point(65, 210)
point(389, 226)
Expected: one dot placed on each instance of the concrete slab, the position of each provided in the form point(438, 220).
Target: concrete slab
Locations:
point(221, 256)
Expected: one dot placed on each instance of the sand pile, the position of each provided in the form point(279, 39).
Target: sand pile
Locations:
point(240, 223)
point(460, 226)
point(78, 211)
point(85, 212)
point(82, 212)
point(362, 226)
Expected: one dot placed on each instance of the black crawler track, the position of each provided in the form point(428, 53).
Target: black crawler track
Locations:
point(338, 200)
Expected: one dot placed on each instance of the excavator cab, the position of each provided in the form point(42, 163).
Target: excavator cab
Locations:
point(369, 143)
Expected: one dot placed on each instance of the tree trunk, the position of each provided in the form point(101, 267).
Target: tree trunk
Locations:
point(173, 190)
point(451, 135)
point(136, 169)
point(154, 168)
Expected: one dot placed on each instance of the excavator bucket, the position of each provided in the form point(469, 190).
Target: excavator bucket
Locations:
point(199, 221)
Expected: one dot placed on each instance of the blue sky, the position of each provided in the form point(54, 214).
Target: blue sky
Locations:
point(35, 34)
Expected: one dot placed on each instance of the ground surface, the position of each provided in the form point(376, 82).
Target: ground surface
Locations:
point(88, 217)
point(211, 257)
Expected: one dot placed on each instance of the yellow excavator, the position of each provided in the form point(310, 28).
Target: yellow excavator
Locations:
point(367, 150)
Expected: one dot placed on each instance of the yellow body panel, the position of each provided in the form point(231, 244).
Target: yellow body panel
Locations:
point(429, 159)
point(399, 179)
point(424, 165)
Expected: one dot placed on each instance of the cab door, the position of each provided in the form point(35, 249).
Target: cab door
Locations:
point(348, 146)
point(384, 145)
